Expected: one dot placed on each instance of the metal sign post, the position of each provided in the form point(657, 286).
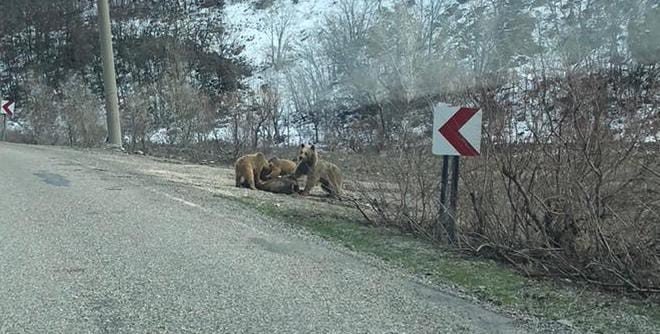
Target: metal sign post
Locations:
point(452, 143)
point(449, 184)
point(444, 204)
point(4, 127)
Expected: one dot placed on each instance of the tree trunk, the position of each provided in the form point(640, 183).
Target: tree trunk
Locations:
point(316, 132)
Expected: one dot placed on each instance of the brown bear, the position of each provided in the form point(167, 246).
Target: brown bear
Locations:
point(278, 167)
point(280, 185)
point(318, 171)
point(248, 169)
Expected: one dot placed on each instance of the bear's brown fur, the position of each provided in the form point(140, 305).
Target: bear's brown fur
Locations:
point(318, 171)
point(248, 169)
point(279, 167)
point(280, 185)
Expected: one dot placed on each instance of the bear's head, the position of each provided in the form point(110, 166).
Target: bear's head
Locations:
point(292, 182)
point(269, 168)
point(272, 162)
point(307, 155)
point(260, 159)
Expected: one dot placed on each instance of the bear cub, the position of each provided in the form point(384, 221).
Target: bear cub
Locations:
point(278, 167)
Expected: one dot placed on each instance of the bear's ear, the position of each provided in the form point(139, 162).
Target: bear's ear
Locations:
point(312, 147)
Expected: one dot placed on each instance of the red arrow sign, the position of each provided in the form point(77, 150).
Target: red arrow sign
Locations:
point(6, 108)
point(450, 131)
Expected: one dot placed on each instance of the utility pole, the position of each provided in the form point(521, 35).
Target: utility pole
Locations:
point(109, 81)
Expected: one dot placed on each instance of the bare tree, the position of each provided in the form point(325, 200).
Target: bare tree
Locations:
point(430, 14)
point(185, 111)
point(344, 34)
point(230, 108)
point(280, 37)
point(310, 89)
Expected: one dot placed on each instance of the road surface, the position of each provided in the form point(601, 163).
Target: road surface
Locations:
point(92, 245)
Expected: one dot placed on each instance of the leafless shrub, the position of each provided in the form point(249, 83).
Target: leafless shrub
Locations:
point(42, 117)
point(137, 121)
point(577, 195)
point(18, 136)
point(192, 115)
point(82, 114)
point(69, 115)
point(567, 184)
point(403, 192)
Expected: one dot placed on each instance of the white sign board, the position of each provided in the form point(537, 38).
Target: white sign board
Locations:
point(7, 108)
point(456, 130)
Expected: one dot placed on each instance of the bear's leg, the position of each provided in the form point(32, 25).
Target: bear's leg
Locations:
point(250, 181)
point(335, 181)
point(257, 178)
point(312, 180)
point(330, 188)
point(327, 186)
point(336, 186)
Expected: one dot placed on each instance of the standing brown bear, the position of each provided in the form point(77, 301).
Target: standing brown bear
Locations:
point(278, 167)
point(248, 169)
point(318, 171)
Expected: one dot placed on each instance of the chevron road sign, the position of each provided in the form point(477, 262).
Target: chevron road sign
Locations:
point(456, 130)
point(7, 108)
point(456, 133)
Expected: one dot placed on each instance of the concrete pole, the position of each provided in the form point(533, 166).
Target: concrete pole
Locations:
point(109, 81)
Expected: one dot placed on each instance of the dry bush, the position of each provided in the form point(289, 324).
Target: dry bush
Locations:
point(19, 137)
point(70, 115)
point(579, 196)
point(567, 184)
point(401, 190)
point(189, 115)
point(82, 114)
point(137, 121)
point(43, 118)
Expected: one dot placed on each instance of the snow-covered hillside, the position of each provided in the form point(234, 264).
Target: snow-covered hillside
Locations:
point(253, 27)
point(256, 29)
point(263, 26)
point(334, 59)
point(289, 25)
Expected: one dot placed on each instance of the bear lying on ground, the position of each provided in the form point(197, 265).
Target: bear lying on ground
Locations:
point(278, 167)
point(318, 171)
point(248, 170)
point(280, 185)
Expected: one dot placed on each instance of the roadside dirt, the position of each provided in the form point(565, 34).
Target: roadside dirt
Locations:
point(219, 181)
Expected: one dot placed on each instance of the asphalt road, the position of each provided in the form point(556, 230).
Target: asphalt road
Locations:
point(88, 246)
